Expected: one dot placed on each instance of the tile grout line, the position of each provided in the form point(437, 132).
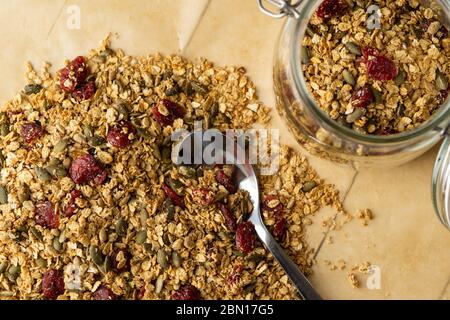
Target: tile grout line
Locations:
point(183, 50)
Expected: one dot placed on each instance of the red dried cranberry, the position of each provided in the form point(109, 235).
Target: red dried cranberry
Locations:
point(174, 110)
point(104, 293)
point(230, 218)
point(235, 275)
point(119, 135)
point(441, 97)
point(45, 215)
point(52, 284)
point(362, 97)
point(245, 237)
point(84, 91)
point(425, 25)
point(379, 67)
point(203, 196)
point(278, 209)
point(31, 131)
point(188, 292)
point(85, 169)
point(279, 228)
point(115, 261)
point(442, 33)
point(74, 74)
point(140, 293)
point(226, 181)
point(331, 8)
point(176, 199)
point(71, 205)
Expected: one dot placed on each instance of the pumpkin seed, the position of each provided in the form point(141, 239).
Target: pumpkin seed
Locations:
point(42, 174)
point(121, 227)
point(353, 48)
point(220, 195)
point(237, 253)
point(175, 185)
point(54, 162)
point(3, 195)
point(14, 270)
point(107, 264)
point(176, 259)
point(155, 151)
point(141, 237)
point(400, 78)
point(441, 81)
point(96, 141)
point(41, 262)
point(3, 266)
point(355, 115)
point(348, 77)
point(103, 235)
point(122, 109)
point(32, 89)
point(304, 55)
point(88, 131)
point(161, 258)
point(197, 87)
point(310, 31)
point(143, 133)
point(166, 155)
point(96, 255)
point(58, 246)
point(60, 146)
point(57, 171)
point(143, 217)
point(250, 287)
point(2, 160)
point(400, 112)
point(308, 186)
point(172, 90)
point(36, 233)
point(4, 129)
point(23, 193)
point(159, 284)
point(188, 172)
point(256, 258)
point(106, 53)
point(170, 209)
point(378, 95)
point(340, 34)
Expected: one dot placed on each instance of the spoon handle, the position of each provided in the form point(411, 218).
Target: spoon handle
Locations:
point(299, 280)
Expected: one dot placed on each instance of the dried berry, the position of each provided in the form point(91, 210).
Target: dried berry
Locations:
point(230, 218)
point(85, 169)
point(31, 131)
point(245, 237)
point(379, 67)
point(441, 97)
point(442, 33)
point(188, 292)
point(45, 215)
point(279, 228)
point(331, 8)
point(140, 293)
point(176, 199)
point(235, 275)
point(424, 25)
point(104, 293)
point(226, 181)
point(72, 76)
point(71, 205)
point(84, 91)
point(203, 196)
point(52, 284)
point(122, 134)
point(362, 97)
point(166, 111)
point(116, 257)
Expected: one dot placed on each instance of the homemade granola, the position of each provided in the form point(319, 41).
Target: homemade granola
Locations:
point(380, 81)
point(93, 208)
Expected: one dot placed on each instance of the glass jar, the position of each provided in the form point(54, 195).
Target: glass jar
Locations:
point(325, 137)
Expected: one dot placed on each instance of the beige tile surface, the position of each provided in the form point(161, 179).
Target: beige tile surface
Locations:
point(404, 240)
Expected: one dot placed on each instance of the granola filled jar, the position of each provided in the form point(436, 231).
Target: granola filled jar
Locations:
point(323, 133)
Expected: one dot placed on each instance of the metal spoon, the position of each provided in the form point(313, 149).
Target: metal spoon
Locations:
point(247, 180)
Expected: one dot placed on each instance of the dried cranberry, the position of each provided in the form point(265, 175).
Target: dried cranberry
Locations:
point(362, 97)
point(85, 91)
point(74, 74)
point(115, 262)
point(71, 205)
point(424, 25)
point(174, 111)
point(379, 67)
point(278, 209)
point(226, 181)
point(45, 215)
point(245, 237)
point(441, 97)
point(52, 284)
point(442, 33)
point(279, 228)
point(31, 131)
point(104, 293)
point(119, 135)
point(235, 275)
point(203, 196)
point(176, 199)
point(331, 8)
point(230, 218)
point(188, 292)
point(140, 293)
point(85, 169)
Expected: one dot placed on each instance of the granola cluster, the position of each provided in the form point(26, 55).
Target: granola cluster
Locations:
point(377, 81)
point(92, 207)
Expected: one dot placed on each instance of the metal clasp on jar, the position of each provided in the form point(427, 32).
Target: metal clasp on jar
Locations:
point(282, 8)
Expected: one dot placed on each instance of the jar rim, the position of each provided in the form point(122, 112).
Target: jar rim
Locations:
point(441, 117)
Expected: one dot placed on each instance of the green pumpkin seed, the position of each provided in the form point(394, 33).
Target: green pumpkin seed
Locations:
point(42, 174)
point(107, 264)
point(308, 186)
point(88, 131)
point(122, 109)
point(103, 235)
point(32, 89)
point(169, 209)
point(188, 172)
point(250, 287)
point(340, 34)
point(96, 255)
point(161, 258)
point(256, 258)
point(355, 115)
point(155, 151)
point(54, 162)
point(23, 193)
point(121, 227)
point(400, 112)
point(13, 273)
point(3, 266)
point(400, 78)
point(41, 262)
point(353, 48)
point(159, 284)
point(60, 146)
point(175, 185)
point(166, 155)
point(3, 195)
point(58, 246)
point(197, 87)
point(106, 53)
point(441, 81)
point(304, 55)
point(220, 195)
point(57, 171)
point(141, 237)
point(172, 90)
point(348, 77)
point(4, 129)
point(176, 259)
point(143, 133)
point(143, 217)
point(310, 31)
point(96, 141)
point(378, 95)
point(36, 233)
